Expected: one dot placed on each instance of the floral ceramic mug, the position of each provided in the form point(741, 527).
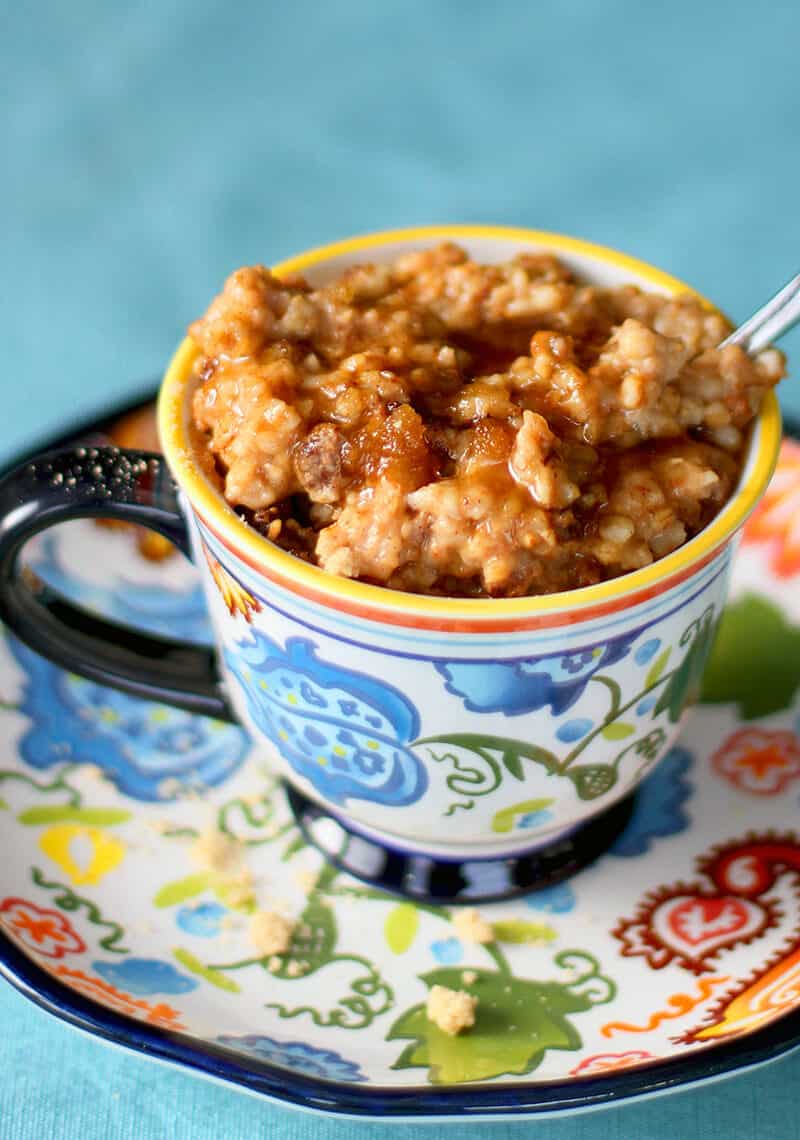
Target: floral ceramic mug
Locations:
point(462, 729)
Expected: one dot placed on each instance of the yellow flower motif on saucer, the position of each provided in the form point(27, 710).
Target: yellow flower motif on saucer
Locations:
point(85, 854)
point(237, 599)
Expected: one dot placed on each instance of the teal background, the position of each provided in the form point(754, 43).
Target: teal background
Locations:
point(150, 148)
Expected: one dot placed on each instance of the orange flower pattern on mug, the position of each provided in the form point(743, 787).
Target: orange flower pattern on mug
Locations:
point(758, 761)
point(237, 599)
point(95, 988)
point(776, 520)
point(608, 1062)
point(46, 932)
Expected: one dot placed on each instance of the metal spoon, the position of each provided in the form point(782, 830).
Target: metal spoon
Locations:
point(770, 322)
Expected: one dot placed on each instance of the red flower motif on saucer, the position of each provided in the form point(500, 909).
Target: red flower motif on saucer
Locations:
point(46, 932)
point(609, 1062)
point(776, 521)
point(689, 926)
point(758, 761)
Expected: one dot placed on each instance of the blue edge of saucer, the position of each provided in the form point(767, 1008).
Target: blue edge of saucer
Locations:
point(477, 1102)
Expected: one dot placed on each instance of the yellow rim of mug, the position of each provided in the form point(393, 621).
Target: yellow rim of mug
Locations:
point(211, 506)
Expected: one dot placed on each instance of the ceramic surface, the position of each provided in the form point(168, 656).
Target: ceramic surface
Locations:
point(463, 728)
point(480, 738)
point(676, 955)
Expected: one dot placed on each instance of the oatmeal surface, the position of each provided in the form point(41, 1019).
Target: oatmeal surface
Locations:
point(441, 426)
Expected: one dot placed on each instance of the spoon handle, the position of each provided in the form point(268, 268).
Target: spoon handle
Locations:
point(771, 321)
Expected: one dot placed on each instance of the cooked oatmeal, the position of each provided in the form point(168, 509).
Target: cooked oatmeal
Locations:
point(440, 426)
point(271, 933)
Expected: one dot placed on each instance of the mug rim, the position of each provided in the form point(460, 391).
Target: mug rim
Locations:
point(399, 607)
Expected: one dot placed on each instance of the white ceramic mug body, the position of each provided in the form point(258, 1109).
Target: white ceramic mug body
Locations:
point(455, 727)
point(456, 742)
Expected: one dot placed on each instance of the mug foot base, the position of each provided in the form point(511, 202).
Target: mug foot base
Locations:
point(382, 863)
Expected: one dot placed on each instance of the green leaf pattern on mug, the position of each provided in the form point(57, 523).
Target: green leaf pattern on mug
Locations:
point(479, 763)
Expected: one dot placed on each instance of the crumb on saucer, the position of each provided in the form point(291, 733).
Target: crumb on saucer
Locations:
point(169, 788)
point(93, 772)
point(240, 895)
point(215, 851)
point(471, 927)
point(306, 880)
point(169, 827)
point(452, 1011)
point(271, 933)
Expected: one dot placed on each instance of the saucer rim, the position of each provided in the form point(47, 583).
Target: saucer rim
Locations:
point(517, 1100)
point(507, 1101)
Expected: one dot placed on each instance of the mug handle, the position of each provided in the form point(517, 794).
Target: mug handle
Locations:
point(104, 483)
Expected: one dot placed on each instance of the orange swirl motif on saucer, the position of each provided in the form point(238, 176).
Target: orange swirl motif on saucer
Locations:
point(776, 520)
point(774, 993)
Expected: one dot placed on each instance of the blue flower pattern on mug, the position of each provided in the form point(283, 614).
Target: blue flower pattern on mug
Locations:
point(517, 687)
point(139, 745)
point(342, 730)
point(573, 730)
point(533, 819)
point(297, 1056)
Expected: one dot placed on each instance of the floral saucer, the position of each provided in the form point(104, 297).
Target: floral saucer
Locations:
point(672, 959)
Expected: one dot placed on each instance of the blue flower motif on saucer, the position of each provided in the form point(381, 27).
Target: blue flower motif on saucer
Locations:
point(143, 976)
point(517, 687)
point(448, 951)
point(297, 1056)
point(658, 810)
point(169, 612)
point(552, 900)
point(342, 730)
point(139, 745)
point(203, 920)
